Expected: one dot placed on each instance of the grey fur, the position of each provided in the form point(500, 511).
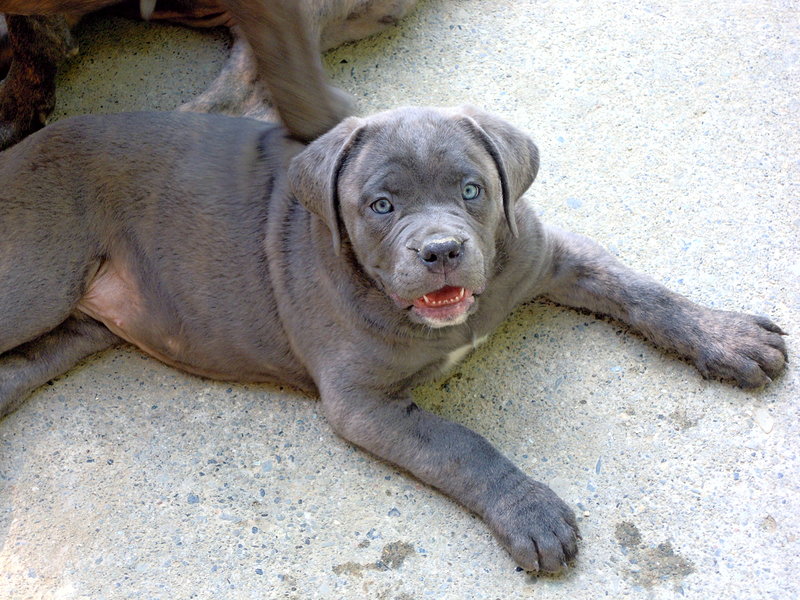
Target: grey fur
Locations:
point(209, 242)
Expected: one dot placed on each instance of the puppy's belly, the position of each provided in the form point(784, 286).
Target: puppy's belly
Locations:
point(114, 299)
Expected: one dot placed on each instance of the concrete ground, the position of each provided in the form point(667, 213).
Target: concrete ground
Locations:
point(669, 132)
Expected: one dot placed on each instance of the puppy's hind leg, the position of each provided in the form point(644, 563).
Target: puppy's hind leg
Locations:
point(40, 286)
point(33, 364)
point(47, 258)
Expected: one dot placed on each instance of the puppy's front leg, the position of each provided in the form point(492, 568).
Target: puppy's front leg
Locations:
point(730, 345)
point(535, 526)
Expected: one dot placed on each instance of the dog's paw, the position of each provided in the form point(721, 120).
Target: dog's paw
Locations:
point(9, 134)
point(536, 527)
point(5, 52)
point(746, 348)
point(12, 131)
point(20, 116)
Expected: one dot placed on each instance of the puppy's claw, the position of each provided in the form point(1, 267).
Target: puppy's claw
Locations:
point(767, 324)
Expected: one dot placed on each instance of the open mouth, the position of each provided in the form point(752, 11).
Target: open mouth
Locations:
point(447, 296)
point(446, 306)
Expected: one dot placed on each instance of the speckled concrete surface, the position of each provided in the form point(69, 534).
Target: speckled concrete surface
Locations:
point(669, 132)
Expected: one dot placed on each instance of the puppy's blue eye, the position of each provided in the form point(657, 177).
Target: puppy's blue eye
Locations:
point(382, 206)
point(470, 191)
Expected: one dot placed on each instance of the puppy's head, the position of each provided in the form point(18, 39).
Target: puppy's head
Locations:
point(422, 196)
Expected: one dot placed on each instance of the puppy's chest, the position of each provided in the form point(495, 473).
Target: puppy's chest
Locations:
point(426, 363)
point(454, 357)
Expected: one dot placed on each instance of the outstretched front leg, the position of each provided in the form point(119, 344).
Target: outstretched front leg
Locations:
point(729, 345)
point(535, 526)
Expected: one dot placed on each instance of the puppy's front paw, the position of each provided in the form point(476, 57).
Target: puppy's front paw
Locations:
point(536, 527)
point(739, 346)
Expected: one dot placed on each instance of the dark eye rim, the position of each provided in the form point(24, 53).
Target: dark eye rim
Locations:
point(478, 190)
point(374, 208)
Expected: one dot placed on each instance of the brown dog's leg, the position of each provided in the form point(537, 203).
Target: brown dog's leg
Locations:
point(31, 365)
point(52, 7)
point(27, 94)
point(342, 21)
point(191, 13)
point(237, 90)
point(5, 49)
point(288, 59)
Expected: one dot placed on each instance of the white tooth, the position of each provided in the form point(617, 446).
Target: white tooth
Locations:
point(425, 300)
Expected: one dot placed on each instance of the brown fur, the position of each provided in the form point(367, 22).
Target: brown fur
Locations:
point(286, 36)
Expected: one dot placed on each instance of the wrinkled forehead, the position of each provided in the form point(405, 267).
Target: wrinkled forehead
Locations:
point(428, 146)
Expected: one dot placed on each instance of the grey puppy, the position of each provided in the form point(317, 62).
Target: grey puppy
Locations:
point(356, 267)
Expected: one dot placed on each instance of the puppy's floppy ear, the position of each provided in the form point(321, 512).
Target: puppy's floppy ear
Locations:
point(314, 173)
point(515, 155)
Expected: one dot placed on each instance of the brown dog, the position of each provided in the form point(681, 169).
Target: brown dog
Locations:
point(285, 35)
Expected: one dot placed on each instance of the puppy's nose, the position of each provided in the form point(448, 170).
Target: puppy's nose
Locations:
point(441, 254)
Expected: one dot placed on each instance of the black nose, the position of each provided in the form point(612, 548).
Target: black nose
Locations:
point(442, 253)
